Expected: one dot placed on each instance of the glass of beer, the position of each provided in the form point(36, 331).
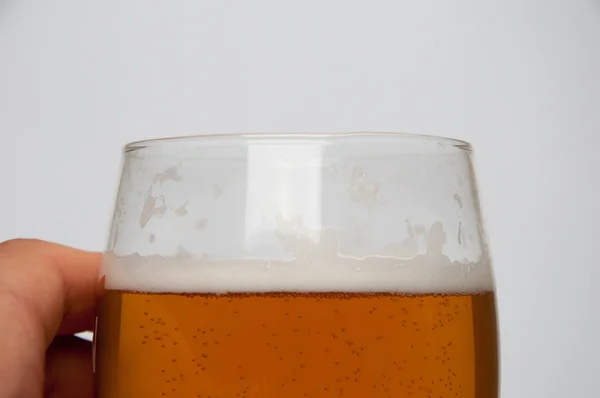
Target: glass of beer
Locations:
point(297, 265)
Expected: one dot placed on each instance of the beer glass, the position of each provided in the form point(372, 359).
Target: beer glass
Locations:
point(297, 265)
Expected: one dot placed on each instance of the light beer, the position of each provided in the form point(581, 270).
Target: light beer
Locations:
point(297, 344)
point(297, 266)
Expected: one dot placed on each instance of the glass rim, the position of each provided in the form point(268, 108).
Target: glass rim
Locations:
point(288, 137)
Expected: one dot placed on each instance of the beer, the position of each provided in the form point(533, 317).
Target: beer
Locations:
point(297, 344)
point(297, 266)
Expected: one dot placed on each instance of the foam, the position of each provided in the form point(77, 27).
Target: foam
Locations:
point(429, 273)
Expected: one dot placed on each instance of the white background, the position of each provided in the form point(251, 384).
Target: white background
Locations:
point(520, 79)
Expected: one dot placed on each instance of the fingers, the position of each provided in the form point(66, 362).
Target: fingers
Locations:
point(69, 368)
point(21, 351)
point(80, 275)
point(44, 289)
point(54, 284)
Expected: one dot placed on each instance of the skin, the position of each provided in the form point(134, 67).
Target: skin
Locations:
point(47, 293)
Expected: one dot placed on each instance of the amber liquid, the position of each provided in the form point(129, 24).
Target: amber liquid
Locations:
point(284, 345)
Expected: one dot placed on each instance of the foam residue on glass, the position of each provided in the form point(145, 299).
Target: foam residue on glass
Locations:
point(315, 264)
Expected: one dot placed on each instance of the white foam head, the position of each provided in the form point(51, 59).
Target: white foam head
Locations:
point(429, 273)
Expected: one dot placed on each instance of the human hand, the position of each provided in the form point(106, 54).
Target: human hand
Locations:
point(47, 293)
